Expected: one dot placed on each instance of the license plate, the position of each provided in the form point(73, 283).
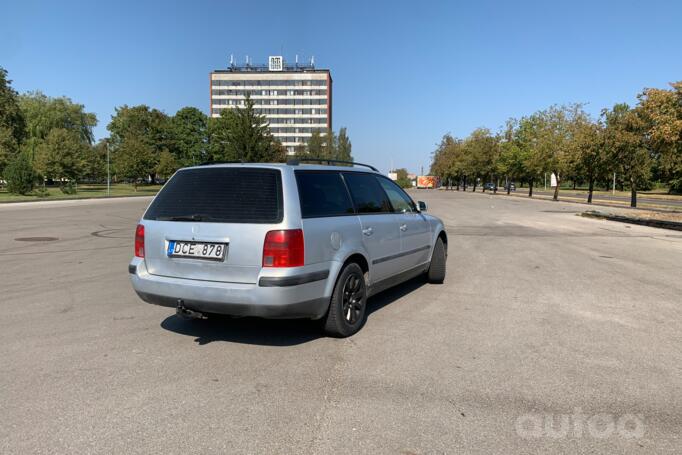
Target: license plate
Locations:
point(196, 250)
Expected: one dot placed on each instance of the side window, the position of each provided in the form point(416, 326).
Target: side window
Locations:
point(400, 201)
point(367, 193)
point(322, 194)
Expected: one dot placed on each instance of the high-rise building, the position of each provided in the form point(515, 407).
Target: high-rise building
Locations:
point(295, 99)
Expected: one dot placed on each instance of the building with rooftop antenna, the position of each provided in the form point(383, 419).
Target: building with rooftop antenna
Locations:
point(295, 99)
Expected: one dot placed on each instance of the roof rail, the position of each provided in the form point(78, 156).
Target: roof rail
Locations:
point(296, 161)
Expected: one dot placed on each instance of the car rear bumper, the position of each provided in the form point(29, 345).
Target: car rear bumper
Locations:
point(275, 297)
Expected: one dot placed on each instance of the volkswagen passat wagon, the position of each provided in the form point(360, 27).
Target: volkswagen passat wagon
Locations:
point(282, 241)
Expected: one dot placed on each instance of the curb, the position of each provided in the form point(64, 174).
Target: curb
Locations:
point(662, 208)
point(77, 198)
point(662, 224)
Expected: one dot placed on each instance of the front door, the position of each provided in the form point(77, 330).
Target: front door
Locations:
point(415, 231)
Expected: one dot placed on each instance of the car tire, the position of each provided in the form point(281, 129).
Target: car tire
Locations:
point(348, 305)
point(436, 272)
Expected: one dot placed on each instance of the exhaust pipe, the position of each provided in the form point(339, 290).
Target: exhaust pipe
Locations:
point(185, 313)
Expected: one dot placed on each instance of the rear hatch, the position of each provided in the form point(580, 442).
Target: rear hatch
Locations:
point(219, 205)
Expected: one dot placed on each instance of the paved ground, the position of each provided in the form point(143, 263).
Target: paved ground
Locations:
point(544, 315)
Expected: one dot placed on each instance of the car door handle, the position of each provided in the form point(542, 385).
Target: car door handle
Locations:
point(368, 231)
point(403, 227)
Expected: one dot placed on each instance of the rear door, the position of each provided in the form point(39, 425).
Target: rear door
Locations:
point(327, 213)
point(415, 231)
point(380, 227)
point(230, 206)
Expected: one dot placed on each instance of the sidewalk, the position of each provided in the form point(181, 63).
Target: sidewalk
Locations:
point(644, 216)
point(70, 202)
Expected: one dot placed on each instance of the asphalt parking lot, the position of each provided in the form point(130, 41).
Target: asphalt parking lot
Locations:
point(544, 316)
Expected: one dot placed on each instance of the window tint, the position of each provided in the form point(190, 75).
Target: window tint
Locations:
point(220, 195)
point(400, 201)
point(322, 194)
point(367, 193)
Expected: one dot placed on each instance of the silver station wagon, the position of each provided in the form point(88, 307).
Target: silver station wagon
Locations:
point(283, 241)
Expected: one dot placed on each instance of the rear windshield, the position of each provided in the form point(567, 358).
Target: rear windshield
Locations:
point(220, 195)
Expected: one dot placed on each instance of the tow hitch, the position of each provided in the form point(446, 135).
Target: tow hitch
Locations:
point(185, 312)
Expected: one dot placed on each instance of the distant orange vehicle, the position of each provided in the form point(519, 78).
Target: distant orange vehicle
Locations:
point(428, 181)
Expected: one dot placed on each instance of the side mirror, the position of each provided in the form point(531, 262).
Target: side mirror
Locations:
point(422, 206)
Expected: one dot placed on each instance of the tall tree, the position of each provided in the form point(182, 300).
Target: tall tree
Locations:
point(44, 113)
point(344, 146)
point(661, 111)
point(167, 164)
point(147, 129)
point(247, 136)
point(513, 155)
point(217, 138)
point(588, 152)
point(315, 147)
point(12, 123)
point(189, 134)
point(96, 161)
point(624, 140)
point(555, 140)
point(62, 155)
point(482, 149)
point(133, 160)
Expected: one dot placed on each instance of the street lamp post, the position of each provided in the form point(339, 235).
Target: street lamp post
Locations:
point(108, 174)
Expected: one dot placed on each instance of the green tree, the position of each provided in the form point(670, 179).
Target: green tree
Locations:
point(20, 175)
point(147, 130)
point(133, 160)
point(513, 156)
point(588, 152)
point(96, 161)
point(12, 122)
point(448, 161)
point(243, 135)
point(661, 112)
point(189, 131)
point(315, 147)
point(62, 155)
point(483, 150)
point(554, 141)
point(167, 164)
point(217, 132)
point(344, 146)
point(624, 140)
point(43, 114)
point(402, 178)
point(528, 136)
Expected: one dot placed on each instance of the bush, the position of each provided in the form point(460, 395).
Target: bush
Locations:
point(20, 175)
point(41, 191)
point(68, 188)
point(404, 183)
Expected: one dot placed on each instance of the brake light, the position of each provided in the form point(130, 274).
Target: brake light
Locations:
point(139, 241)
point(283, 248)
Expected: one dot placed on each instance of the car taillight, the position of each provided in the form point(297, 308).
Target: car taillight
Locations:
point(283, 248)
point(139, 241)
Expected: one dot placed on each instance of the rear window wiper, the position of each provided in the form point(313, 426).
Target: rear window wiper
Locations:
point(194, 217)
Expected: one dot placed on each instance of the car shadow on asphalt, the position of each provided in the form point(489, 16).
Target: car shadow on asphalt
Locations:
point(274, 332)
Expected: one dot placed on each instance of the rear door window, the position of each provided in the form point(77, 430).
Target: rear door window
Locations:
point(323, 194)
point(367, 194)
point(220, 195)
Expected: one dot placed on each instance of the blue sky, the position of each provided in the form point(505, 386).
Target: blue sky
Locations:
point(404, 73)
